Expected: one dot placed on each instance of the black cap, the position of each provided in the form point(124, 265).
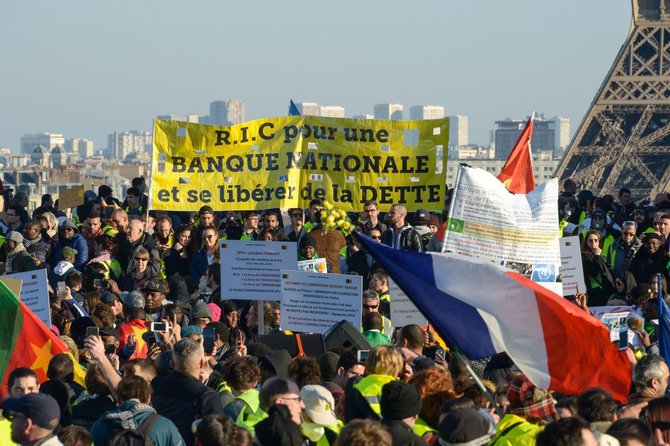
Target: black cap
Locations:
point(399, 401)
point(154, 285)
point(465, 426)
point(108, 297)
point(206, 210)
point(41, 408)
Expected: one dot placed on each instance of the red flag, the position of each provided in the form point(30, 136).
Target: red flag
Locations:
point(517, 173)
point(25, 341)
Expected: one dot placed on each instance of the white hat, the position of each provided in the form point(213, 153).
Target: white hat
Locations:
point(319, 404)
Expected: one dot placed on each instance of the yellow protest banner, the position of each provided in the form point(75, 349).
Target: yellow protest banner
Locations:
point(287, 161)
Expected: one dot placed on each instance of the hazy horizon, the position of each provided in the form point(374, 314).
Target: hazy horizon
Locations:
point(87, 69)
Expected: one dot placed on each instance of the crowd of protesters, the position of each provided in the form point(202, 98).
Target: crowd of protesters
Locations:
point(136, 297)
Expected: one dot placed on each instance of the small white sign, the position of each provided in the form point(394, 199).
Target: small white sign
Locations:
point(572, 271)
point(313, 266)
point(403, 310)
point(313, 302)
point(250, 270)
point(35, 293)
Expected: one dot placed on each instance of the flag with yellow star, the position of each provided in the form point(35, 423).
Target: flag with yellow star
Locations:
point(25, 341)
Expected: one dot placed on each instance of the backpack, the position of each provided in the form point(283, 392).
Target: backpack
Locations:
point(134, 437)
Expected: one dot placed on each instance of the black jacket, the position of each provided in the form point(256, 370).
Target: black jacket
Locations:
point(182, 399)
point(410, 240)
point(402, 434)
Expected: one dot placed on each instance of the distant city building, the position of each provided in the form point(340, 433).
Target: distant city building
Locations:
point(122, 144)
point(458, 131)
point(183, 118)
point(544, 166)
point(561, 128)
point(507, 132)
point(46, 140)
point(388, 111)
point(332, 111)
point(426, 112)
point(364, 116)
point(226, 112)
point(308, 108)
point(82, 147)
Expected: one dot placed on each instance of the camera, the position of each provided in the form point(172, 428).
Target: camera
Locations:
point(100, 283)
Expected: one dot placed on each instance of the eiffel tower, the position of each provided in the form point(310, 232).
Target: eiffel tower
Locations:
point(624, 139)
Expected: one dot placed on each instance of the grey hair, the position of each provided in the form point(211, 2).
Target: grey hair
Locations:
point(370, 295)
point(647, 369)
point(187, 354)
point(629, 224)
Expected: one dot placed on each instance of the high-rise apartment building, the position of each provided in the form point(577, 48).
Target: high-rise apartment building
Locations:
point(46, 140)
point(308, 108)
point(458, 131)
point(226, 112)
point(332, 111)
point(507, 132)
point(561, 128)
point(183, 118)
point(81, 146)
point(388, 111)
point(364, 116)
point(426, 112)
point(122, 144)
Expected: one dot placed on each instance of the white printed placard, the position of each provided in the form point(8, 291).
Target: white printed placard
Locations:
point(403, 310)
point(314, 302)
point(251, 270)
point(35, 293)
point(572, 270)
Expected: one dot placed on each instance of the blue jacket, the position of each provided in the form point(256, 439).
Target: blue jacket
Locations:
point(77, 242)
point(130, 415)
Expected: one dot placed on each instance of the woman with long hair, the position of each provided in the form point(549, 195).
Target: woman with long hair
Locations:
point(178, 258)
point(208, 253)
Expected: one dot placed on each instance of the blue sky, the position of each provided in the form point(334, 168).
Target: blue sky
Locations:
point(87, 68)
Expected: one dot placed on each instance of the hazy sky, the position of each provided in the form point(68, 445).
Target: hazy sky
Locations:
point(86, 68)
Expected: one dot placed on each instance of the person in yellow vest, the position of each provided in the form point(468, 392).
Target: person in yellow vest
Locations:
point(597, 274)
point(384, 364)
point(319, 422)
point(242, 375)
point(530, 408)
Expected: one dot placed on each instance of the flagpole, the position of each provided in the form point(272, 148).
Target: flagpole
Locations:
point(451, 206)
point(479, 383)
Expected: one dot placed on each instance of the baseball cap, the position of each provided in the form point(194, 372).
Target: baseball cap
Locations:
point(206, 210)
point(133, 299)
point(422, 217)
point(41, 408)
point(319, 404)
point(154, 285)
point(108, 297)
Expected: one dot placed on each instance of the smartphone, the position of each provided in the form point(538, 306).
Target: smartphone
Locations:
point(92, 331)
point(240, 339)
point(439, 354)
point(100, 283)
point(159, 326)
point(623, 340)
point(362, 356)
point(61, 290)
point(208, 340)
point(150, 339)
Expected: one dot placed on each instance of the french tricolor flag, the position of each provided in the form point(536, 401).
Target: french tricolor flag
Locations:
point(485, 310)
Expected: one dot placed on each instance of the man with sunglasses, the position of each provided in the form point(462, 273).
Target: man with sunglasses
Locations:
point(296, 230)
point(371, 305)
point(623, 249)
point(68, 235)
point(34, 418)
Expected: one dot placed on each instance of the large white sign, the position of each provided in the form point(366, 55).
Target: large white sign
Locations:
point(403, 310)
point(250, 270)
point(35, 293)
point(572, 270)
point(518, 231)
point(314, 302)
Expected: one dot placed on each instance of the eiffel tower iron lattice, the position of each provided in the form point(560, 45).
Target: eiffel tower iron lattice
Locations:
point(624, 138)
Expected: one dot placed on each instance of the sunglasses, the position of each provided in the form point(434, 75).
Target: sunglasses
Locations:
point(370, 307)
point(143, 259)
point(376, 237)
point(296, 215)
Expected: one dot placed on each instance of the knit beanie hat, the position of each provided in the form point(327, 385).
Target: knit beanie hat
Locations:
point(400, 400)
point(465, 426)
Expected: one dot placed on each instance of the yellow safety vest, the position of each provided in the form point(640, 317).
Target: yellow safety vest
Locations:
point(371, 389)
point(421, 428)
point(252, 413)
